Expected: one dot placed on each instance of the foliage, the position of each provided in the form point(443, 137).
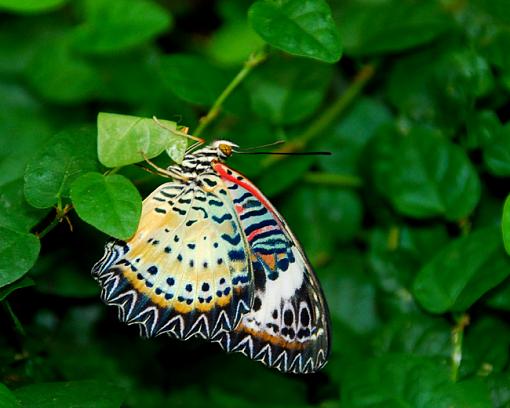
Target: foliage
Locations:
point(406, 223)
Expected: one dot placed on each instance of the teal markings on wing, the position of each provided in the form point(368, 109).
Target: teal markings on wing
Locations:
point(288, 325)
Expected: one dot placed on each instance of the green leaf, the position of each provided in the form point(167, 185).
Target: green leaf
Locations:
point(498, 387)
point(53, 65)
point(30, 6)
point(112, 204)
point(482, 128)
point(431, 176)
point(408, 381)
point(317, 223)
point(505, 224)
point(233, 43)
point(496, 154)
point(60, 273)
point(7, 398)
point(83, 394)
point(389, 26)
point(24, 116)
point(286, 92)
point(67, 155)
point(347, 139)
point(481, 349)
point(15, 212)
point(194, 79)
point(299, 27)
point(122, 139)
point(417, 334)
point(282, 175)
point(18, 253)
point(499, 298)
point(356, 307)
point(462, 272)
point(116, 25)
point(24, 282)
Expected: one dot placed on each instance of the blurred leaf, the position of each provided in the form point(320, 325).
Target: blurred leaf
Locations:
point(194, 79)
point(21, 119)
point(283, 174)
point(499, 297)
point(462, 272)
point(233, 43)
point(15, 212)
point(115, 25)
point(348, 138)
point(61, 273)
point(350, 293)
point(304, 28)
point(18, 252)
point(431, 176)
point(497, 8)
point(30, 6)
point(67, 155)
point(482, 350)
point(390, 26)
point(112, 204)
point(423, 242)
point(83, 394)
point(288, 91)
point(5, 291)
point(317, 223)
point(406, 380)
point(496, 154)
point(459, 78)
point(122, 139)
point(53, 65)
point(482, 128)
point(416, 334)
point(498, 387)
point(505, 224)
point(7, 398)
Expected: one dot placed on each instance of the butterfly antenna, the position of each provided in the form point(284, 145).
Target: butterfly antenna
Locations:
point(182, 132)
point(289, 153)
point(278, 142)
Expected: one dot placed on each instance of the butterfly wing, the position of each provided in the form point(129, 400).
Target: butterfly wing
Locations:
point(185, 272)
point(288, 325)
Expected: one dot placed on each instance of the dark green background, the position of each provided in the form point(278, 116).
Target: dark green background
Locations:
point(402, 223)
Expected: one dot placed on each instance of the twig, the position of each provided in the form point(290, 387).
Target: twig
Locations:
point(457, 338)
point(328, 116)
point(255, 59)
point(331, 179)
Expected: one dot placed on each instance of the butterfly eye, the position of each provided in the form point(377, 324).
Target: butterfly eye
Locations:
point(226, 149)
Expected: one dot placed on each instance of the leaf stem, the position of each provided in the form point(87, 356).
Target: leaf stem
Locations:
point(17, 324)
point(457, 338)
point(318, 126)
point(61, 213)
point(331, 179)
point(254, 59)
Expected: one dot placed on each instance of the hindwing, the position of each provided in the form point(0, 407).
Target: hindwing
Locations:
point(288, 324)
point(186, 271)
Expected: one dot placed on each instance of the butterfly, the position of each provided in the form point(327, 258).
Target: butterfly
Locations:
point(213, 258)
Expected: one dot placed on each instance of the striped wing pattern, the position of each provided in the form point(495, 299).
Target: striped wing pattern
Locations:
point(288, 324)
point(186, 271)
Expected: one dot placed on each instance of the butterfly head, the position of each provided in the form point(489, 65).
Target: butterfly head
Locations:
point(224, 149)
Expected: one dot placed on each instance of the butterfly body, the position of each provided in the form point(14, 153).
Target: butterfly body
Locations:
point(213, 258)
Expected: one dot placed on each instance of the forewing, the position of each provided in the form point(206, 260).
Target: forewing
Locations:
point(288, 325)
point(185, 272)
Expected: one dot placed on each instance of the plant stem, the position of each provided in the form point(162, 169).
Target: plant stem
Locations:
point(255, 59)
point(317, 127)
point(457, 337)
point(338, 180)
point(17, 324)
